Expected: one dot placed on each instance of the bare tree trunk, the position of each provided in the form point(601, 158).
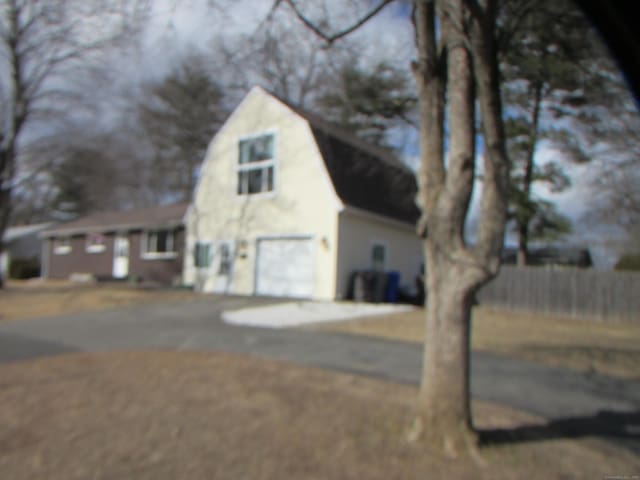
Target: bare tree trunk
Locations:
point(7, 174)
point(5, 211)
point(527, 179)
point(444, 417)
point(456, 271)
point(430, 75)
point(15, 119)
point(495, 186)
point(457, 62)
point(522, 256)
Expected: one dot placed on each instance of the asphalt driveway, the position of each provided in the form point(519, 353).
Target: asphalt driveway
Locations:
point(553, 393)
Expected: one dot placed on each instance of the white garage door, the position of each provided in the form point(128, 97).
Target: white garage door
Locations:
point(285, 267)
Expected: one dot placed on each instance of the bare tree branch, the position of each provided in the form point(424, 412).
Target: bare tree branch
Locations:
point(328, 37)
point(430, 75)
point(41, 42)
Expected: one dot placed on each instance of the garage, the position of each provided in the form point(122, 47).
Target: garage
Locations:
point(284, 267)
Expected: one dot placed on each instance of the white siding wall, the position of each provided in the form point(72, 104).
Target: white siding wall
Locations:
point(303, 203)
point(358, 232)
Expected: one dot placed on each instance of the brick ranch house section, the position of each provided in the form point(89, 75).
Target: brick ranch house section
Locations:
point(143, 244)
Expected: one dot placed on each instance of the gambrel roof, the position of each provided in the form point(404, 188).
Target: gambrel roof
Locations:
point(364, 176)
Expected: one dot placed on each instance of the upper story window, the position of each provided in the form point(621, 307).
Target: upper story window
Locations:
point(256, 165)
point(62, 245)
point(160, 244)
point(95, 243)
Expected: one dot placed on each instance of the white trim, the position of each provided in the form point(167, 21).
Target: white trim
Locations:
point(358, 212)
point(159, 256)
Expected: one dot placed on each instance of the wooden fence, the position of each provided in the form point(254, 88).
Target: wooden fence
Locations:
point(579, 293)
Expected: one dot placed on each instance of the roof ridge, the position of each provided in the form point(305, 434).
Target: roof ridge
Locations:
point(331, 128)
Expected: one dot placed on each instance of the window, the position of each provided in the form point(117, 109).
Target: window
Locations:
point(378, 254)
point(95, 243)
point(160, 244)
point(256, 165)
point(62, 245)
point(225, 259)
point(202, 255)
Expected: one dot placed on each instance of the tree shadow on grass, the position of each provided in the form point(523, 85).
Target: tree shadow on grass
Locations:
point(621, 428)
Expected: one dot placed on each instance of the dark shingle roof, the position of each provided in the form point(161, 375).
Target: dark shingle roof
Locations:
point(364, 176)
point(153, 217)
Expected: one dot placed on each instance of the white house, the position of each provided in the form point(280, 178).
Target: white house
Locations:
point(289, 205)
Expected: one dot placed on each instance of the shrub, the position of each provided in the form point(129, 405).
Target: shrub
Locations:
point(22, 268)
point(629, 261)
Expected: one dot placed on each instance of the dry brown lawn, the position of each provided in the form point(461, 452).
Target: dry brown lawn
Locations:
point(166, 415)
point(30, 299)
point(612, 349)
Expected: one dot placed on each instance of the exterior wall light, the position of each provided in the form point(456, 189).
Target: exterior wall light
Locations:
point(241, 251)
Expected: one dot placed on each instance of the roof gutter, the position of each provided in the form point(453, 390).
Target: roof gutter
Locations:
point(109, 228)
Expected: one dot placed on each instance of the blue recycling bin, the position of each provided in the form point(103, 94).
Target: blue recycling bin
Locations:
point(393, 284)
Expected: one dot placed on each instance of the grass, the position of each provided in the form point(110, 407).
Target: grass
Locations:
point(31, 299)
point(611, 349)
point(156, 415)
point(198, 415)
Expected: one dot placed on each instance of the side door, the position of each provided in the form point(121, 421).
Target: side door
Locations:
point(222, 265)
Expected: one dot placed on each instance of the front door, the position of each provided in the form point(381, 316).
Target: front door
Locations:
point(120, 256)
point(222, 266)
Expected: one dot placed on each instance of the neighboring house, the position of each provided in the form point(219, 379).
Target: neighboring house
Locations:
point(566, 256)
point(289, 205)
point(22, 248)
point(145, 244)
